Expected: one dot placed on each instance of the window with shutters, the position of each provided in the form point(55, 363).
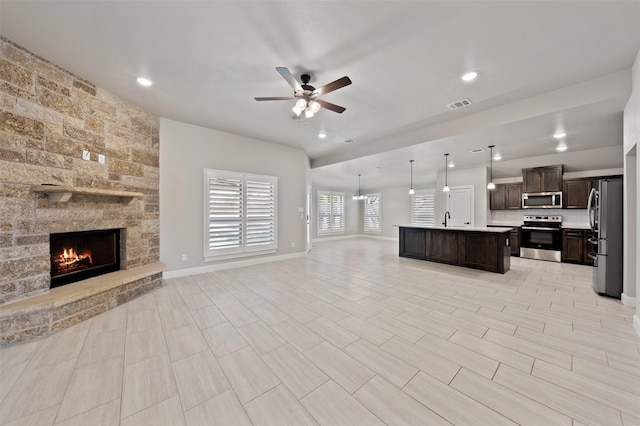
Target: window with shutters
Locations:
point(371, 218)
point(240, 214)
point(423, 207)
point(330, 206)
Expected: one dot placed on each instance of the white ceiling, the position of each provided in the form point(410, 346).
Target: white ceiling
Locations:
point(542, 66)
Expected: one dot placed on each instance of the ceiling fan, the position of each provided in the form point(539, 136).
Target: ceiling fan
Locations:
point(307, 96)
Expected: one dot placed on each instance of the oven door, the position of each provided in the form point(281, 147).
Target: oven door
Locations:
point(541, 243)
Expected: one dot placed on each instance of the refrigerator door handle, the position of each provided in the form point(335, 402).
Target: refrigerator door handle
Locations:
point(593, 240)
point(591, 209)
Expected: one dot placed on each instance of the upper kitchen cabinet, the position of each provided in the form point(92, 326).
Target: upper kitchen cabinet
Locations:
point(575, 193)
point(506, 196)
point(542, 179)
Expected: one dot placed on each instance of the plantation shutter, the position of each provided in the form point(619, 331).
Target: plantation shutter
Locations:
point(240, 213)
point(330, 209)
point(372, 213)
point(225, 212)
point(423, 208)
point(261, 212)
point(337, 212)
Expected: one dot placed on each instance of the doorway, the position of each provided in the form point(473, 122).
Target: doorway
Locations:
point(459, 204)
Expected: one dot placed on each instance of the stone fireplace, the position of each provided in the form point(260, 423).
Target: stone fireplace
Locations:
point(73, 158)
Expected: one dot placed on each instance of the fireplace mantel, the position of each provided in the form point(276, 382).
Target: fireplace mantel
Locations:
point(62, 194)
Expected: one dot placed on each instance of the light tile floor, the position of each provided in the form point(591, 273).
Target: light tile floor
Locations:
point(351, 334)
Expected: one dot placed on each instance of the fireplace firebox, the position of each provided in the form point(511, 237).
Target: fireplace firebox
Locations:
point(76, 256)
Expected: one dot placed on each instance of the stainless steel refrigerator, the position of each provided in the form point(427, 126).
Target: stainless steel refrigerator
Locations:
point(605, 218)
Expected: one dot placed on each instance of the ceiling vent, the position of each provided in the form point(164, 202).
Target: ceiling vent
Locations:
point(459, 104)
point(476, 151)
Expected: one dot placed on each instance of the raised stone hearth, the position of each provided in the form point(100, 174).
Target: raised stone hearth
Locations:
point(73, 157)
point(65, 306)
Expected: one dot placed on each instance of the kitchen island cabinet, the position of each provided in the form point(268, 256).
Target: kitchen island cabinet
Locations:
point(479, 248)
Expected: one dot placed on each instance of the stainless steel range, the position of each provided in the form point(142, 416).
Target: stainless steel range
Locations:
point(541, 238)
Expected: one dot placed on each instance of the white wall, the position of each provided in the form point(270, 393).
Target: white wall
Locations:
point(478, 178)
point(396, 210)
point(631, 139)
point(185, 151)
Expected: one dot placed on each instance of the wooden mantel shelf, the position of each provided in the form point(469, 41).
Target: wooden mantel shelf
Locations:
point(62, 194)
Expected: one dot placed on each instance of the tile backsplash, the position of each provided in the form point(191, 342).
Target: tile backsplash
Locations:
point(571, 218)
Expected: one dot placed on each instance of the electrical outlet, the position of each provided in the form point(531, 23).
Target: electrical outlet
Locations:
point(86, 154)
point(101, 158)
point(184, 257)
point(293, 244)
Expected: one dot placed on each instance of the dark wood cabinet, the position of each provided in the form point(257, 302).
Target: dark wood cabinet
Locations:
point(482, 250)
point(514, 239)
point(575, 193)
point(488, 251)
point(542, 179)
point(514, 242)
point(506, 196)
point(412, 243)
point(576, 246)
point(442, 246)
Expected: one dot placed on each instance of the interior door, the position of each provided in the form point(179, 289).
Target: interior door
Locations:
point(460, 206)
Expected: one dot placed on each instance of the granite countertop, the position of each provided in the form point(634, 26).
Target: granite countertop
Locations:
point(498, 230)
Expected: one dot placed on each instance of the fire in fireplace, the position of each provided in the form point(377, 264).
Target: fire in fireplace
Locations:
point(77, 256)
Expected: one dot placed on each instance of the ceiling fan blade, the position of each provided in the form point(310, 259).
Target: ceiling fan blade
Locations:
point(275, 98)
point(330, 106)
point(334, 85)
point(286, 74)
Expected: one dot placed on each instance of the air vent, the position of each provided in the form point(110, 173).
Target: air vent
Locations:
point(476, 151)
point(459, 104)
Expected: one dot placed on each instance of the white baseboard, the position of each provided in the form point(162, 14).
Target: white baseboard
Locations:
point(627, 300)
point(339, 237)
point(379, 237)
point(343, 237)
point(636, 323)
point(230, 265)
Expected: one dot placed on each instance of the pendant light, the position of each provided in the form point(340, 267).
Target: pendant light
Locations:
point(359, 195)
point(491, 185)
point(446, 177)
point(411, 191)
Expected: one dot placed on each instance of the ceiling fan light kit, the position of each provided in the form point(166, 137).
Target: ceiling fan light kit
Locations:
point(307, 97)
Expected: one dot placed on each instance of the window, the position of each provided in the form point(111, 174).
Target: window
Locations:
point(371, 217)
point(330, 206)
point(240, 213)
point(423, 207)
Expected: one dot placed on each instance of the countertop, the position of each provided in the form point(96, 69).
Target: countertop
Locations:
point(564, 225)
point(495, 230)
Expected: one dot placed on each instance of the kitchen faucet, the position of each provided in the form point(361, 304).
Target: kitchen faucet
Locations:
point(446, 215)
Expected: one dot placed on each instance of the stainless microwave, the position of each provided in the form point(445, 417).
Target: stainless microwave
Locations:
point(542, 200)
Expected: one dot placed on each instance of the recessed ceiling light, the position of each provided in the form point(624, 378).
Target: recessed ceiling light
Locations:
point(559, 134)
point(144, 81)
point(561, 148)
point(497, 157)
point(470, 76)
point(322, 135)
point(451, 165)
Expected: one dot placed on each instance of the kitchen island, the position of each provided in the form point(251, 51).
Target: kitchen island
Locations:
point(479, 248)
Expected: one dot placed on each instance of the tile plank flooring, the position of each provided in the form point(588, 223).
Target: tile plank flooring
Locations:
point(349, 335)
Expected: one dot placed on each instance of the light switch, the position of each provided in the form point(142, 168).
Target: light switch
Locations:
point(101, 158)
point(86, 154)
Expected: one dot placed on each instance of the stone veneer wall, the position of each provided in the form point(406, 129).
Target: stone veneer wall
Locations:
point(47, 117)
